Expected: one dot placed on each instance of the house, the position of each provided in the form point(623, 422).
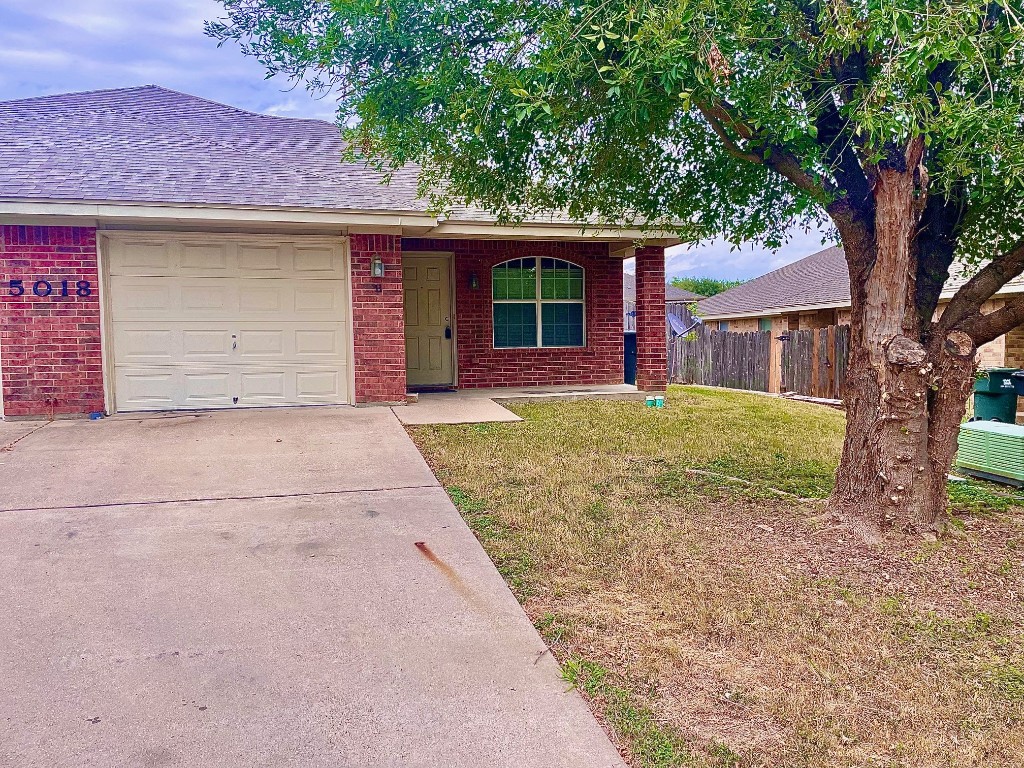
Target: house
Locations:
point(160, 251)
point(677, 302)
point(814, 292)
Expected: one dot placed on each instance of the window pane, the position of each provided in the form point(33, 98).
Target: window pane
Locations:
point(764, 324)
point(516, 279)
point(515, 325)
point(562, 325)
point(560, 280)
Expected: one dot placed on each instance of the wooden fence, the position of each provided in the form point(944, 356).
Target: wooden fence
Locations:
point(721, 359)
point(814, 361)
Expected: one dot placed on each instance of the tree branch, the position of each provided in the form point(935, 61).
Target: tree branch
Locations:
point(966, 303)
point(940, 229)
point(730, 145)
point(985, 328)
point(779, 160)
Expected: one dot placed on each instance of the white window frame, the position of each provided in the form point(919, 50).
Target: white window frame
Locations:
point(540, 302)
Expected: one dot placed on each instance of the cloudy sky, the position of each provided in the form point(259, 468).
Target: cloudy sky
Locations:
point(55, 46)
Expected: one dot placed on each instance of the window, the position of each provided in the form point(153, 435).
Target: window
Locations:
point(764, 324)
point(528, 300)
point(723, 325)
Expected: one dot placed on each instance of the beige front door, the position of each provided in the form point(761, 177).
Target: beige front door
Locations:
point(428, 321)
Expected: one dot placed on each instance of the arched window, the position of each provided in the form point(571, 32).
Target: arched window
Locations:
point(527, 300)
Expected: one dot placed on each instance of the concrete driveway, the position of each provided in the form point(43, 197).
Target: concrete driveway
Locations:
point(245, 589)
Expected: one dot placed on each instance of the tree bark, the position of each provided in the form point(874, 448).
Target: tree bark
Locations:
point(906, 393)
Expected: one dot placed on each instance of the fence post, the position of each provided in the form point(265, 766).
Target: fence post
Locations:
point(775, 357)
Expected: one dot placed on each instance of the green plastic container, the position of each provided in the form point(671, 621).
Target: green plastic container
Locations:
point(995, 396)
point(995, 407)
point(995, 380)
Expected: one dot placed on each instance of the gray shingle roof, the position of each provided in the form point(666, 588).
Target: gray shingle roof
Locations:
point(821, 279)
point(671, 293)
point(680, 294)
point(153, 145)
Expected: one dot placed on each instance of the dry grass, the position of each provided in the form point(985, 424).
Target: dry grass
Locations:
point(712, 623)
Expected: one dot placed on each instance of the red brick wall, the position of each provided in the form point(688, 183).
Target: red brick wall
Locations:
point(377, 321)
point(50, 346)
point(481, 365)
point(651, 349)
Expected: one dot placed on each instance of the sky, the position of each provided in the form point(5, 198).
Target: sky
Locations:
point(58, 46)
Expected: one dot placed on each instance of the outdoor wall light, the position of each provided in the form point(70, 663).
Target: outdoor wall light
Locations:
point(377, 266)
point(474, 282)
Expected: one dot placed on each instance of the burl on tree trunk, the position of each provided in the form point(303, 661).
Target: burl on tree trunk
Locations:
point(907, 386)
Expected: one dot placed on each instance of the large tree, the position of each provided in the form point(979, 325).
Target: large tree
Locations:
point(900, 121)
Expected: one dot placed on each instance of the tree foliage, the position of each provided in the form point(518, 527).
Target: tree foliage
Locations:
point(704, 286)
point(734, 119)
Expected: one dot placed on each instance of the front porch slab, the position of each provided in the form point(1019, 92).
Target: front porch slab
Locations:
point(484, 405)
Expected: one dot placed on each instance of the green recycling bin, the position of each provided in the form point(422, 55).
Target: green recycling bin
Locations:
point(995, 397)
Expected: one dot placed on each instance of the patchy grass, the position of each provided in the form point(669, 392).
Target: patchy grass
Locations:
point(679, 567)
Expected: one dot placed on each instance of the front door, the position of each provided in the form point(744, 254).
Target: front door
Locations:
point(428, 321)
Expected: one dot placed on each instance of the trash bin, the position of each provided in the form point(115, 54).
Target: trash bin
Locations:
point(995, 395)
point(1018, 382)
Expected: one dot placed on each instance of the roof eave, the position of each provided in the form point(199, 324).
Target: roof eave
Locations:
point(356, 221)
point(773, 311)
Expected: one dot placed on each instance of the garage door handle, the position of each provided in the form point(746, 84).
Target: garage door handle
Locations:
point(234, 342)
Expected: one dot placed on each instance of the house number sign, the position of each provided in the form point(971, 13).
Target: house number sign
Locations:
point(44, 288)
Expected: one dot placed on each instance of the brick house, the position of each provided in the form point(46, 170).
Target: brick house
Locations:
point(159, 251)
point(814, 292)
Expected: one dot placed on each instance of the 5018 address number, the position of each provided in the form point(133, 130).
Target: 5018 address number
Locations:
point(44, 288)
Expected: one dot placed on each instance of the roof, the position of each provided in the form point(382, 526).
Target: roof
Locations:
point(680, 294)
point(821, 280)
point(671, 292)
point(153, 146)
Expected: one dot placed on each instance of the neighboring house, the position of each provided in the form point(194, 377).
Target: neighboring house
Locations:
point(160, 251)
point(677, 302)
point(814, 292)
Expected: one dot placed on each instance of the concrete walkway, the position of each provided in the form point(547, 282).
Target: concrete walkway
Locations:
point(260, 588)
point(478, 406)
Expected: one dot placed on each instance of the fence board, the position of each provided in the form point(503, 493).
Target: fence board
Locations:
point(721, 359)
point(814, 361)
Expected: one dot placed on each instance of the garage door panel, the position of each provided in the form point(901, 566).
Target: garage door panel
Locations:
point(185, 256)
point(314, 261)
point(154, 343)
point(205, 258)
point(168, 388)
point(169, 298)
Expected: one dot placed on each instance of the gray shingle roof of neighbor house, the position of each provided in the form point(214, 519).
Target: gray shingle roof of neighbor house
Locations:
point(671, 292)
point(149, 145)
point(819, 280)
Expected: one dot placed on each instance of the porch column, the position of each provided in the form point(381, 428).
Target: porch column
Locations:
point(378, 320)
point(651, 336)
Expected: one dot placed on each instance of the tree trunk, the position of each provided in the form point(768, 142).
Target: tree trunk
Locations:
point(902, 423)
point(905, 394)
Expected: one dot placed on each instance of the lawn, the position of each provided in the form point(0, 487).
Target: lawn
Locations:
point(678, 563)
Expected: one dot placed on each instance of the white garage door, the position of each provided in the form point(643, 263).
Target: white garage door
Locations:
point(208, 321)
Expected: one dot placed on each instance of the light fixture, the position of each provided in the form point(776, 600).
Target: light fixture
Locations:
point(474, 282)
point(377, 266)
